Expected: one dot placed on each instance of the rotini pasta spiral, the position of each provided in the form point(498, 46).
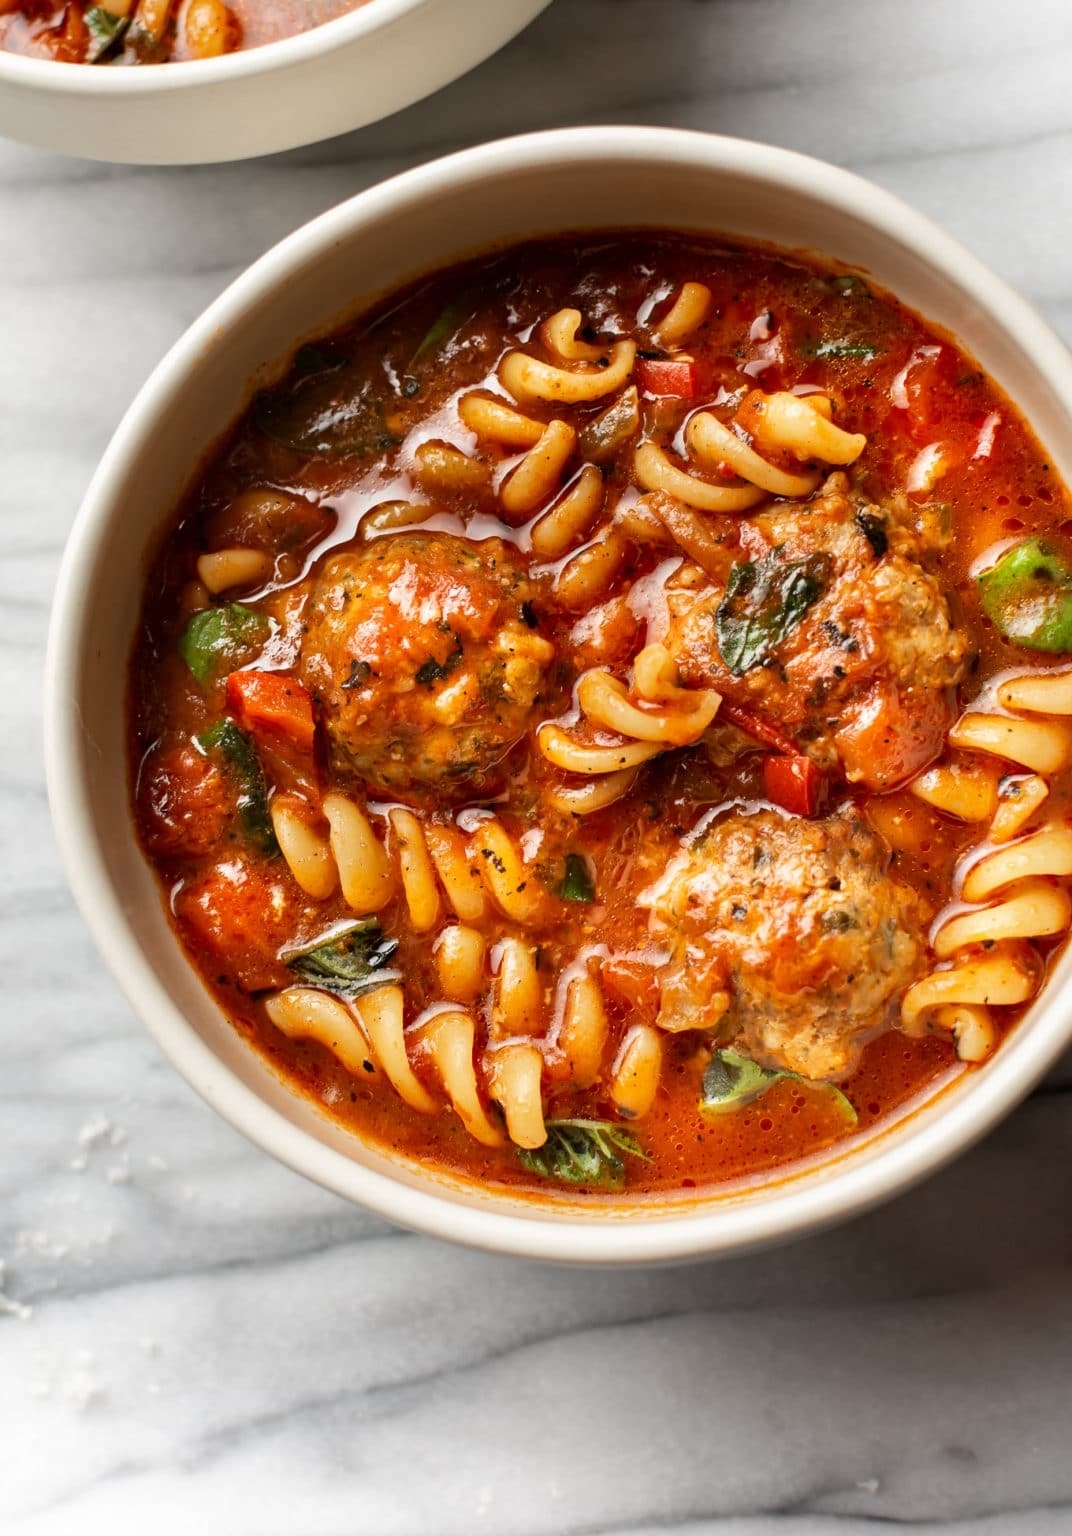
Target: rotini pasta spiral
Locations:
point(1008, 884)
point(367, 1033)
point(798, 426)
point(659, 715)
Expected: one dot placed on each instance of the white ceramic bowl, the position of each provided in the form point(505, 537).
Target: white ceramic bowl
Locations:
point(553, 181)
point(348, 72)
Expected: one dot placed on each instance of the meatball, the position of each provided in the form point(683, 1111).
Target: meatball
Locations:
point(830, 625)
point(788, 935)
point(422, 653)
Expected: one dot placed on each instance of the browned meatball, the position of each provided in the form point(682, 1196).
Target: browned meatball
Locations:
point(832, 628)
point(422, 653)
point(788, 935)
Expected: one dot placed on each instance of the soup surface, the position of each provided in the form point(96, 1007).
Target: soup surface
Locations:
point(598, 722)
point(154, 31)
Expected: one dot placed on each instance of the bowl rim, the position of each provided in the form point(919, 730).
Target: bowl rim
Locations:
point(146, 79)
point(853, 1182)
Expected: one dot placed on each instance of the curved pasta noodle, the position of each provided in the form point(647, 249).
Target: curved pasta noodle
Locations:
point(1001, 978)
point(365, 872)
point(566, 523)
point(458, 874)
point(307, 854)
point(1037, 693)
point(417, 870)
point(1034, 909)
point(661, 715)
point(713, 444)
point(515, 1073)
point(801, 425)
point(655, 472)
point(636, 1073)
point(1046, 852)
point(381, 1013)
point(529, 379)
point(493, 420)
point(303, 1013)
point(238, 567)
point(592, 795)
point(796, 424)
point(517, 1005)
point(605, 700)
point(1018, 800)
point(987, 945)
point(561, 750)
point(449, 1040)
point(972, 1028)
point(589, 574)
point(514, 889)
point(460, 952)
point(582, 1035)
point(440, 467)
point(687, 313)
point(1042, 745)
point(559, 335)
point(539, 474)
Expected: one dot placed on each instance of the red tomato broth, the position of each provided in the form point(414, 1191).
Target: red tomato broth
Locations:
point(817, 329)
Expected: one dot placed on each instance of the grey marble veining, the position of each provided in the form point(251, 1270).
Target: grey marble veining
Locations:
point(192, 1337)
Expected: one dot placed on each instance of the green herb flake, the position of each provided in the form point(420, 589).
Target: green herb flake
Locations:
point(105, 31)
point(577, 883)
point(584, 1152)
point(1027, 595)
point(606, 434)
point(240, 757)
point(431, 671)
point(216, 639)
point(349, 963)
point(763, 604)
point(447, 323)
point(862, 349)
point(732, 1080)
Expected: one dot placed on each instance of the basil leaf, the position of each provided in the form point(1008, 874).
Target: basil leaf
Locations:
point(349, 963)
point(584, 1152)
point(577, 883)
point(105, 30)
point(763, 604)
point(216, 638)
point(240, 757)
point(732, 1080)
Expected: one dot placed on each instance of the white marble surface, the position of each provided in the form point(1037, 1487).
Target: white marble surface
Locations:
point(194, 1339)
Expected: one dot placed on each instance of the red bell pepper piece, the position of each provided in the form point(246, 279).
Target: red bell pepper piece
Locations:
point(755, 726)
point(272, 705)
point(669, 376)
point(794, 783)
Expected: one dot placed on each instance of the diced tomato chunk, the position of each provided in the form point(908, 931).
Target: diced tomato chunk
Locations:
point(184, 801)
point(273, 705)
point(236, 918)
point(893, 735)
point(631, 983)
point(794, 783)
point(669, 376)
